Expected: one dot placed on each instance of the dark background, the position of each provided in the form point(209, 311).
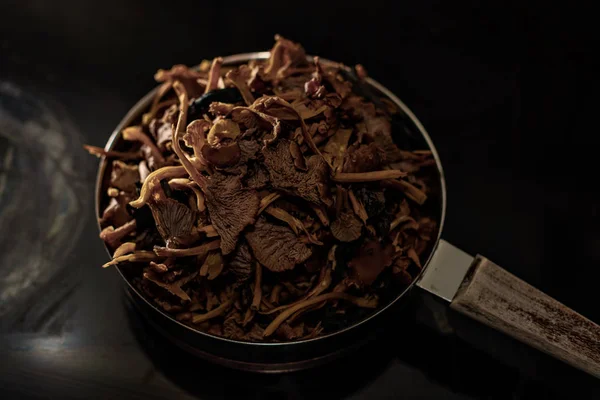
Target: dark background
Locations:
point(506, 90)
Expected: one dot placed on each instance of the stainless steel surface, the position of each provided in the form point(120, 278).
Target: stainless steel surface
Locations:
point(140, 107)
point(446, 271)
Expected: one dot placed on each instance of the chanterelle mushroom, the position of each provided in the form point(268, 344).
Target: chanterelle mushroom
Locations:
point(222, 129)
point(231, 208)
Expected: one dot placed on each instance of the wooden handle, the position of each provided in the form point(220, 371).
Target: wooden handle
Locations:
point(504, 302)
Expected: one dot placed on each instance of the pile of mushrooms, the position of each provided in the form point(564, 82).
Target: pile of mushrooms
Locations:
point(267, 201)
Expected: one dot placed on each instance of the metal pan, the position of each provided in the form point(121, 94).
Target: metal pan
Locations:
point(473, 286)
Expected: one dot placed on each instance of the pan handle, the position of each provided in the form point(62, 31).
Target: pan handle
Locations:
point(500, 300)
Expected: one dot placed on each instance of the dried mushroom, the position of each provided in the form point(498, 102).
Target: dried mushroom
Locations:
point(276, 246)
point(241, 263)
point(116, 212)
point(212, 267)
point(310, 185)
point(346, 227)
point(222, 156)
point(222, 129)
point(364, 158)
point(372, 259)
point(231, 208)
point(173, 219)
point(124, 176)
point(268, 201)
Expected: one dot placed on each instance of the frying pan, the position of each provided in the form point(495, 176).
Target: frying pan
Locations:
point(473, 286)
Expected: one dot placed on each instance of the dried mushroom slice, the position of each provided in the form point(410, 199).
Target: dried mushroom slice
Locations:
point(346, 227)
point(174, 288)
point(276, 247)
point(231, 208)
point(311, 185)
point(173, 219)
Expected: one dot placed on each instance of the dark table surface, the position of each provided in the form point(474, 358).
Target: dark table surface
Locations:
point(505, 90)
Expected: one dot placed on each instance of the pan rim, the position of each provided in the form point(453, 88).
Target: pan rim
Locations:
point(135, 111)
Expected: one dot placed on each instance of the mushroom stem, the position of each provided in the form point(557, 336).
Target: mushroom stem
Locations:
point(401, 219)
point(199, 318)
point(179, 183)
point(213, 75)
point(266, 304)
point(265, 201)
point(174, 287)
point(412, 254)
point(200, 202)
point(286, 217)
point(112, 236)
point(274, 297)
point(162, 90)
point(125, 248)
point(248, 317)
point(352, 177)
point(213, 266)
point(293, 290)
point(307, 137)
point(321, 214)
point(323, 284)
point(358, 301)
point(320, 287)
point(153, 181)
point(181, 122)
point(314, 307)
point(192, 251)
point(340, 287)
point(257, 288)
point(178, 71)
point(138, 256)
point(293, 223)
point(183, 316)
point(238, 78)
